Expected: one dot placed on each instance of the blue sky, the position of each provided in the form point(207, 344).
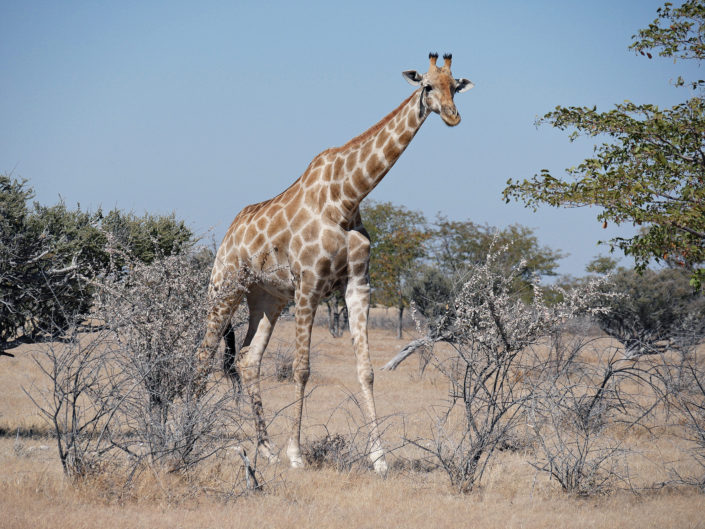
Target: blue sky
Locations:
point(203, 108)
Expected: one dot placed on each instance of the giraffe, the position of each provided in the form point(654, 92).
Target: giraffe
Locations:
point(309, 241)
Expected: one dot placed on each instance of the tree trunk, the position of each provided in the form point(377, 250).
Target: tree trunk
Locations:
point(401, 316)
point(331, 326)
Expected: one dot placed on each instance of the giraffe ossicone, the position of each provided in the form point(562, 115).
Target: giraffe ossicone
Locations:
point(309, 241)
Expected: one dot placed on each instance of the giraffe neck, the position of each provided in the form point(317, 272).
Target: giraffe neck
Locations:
point(367, 158)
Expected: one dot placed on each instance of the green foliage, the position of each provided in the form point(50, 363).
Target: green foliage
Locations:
point(49, 254)
point(601, 265)
point(149, 236)
point(431, 291)
point(650, 172)
point(18, 248)
point(397, 244)
point(676, 32)
point(653, 311)
point(456, 246)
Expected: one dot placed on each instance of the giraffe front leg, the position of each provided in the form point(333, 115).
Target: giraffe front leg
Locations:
point(306, 303)
point(357, 298)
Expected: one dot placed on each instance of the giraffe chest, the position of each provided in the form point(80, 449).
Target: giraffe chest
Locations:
point(319, 251)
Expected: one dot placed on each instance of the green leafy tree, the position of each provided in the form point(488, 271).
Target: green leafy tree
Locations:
point(650, 171)
point(398, 236)
point(456, 246)
point(431, 290)
point(19, 251)
point(148, 236)
point(48, 254)
point(601, 265)
point(653, 311)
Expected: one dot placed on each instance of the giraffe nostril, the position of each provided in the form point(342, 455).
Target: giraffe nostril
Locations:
point(450, 111)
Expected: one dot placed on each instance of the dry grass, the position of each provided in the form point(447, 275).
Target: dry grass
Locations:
point(34, 493)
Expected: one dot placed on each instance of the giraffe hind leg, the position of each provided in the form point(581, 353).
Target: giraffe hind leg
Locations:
point(217, 322)
point(264, 312)
point(230, 358)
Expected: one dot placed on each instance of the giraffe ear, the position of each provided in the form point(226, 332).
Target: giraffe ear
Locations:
point(412, 76)
point(463, 85)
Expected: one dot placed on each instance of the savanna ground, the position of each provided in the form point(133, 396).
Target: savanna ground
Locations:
point(34, 492)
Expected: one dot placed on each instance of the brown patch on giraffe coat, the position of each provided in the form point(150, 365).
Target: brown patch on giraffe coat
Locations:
point(330, 242)
point(359, 180)
point(318, 161)
point(328, 173)
point(311, 176)
point(296, 244)
point(347, 204)
point(277, 223)
point(366, 150)
point(280, 241)
point(338, 166)
point(351, 161)
point(358, 269)
point(322, 198)
point(374, 165)
point(250, 233)
point(381, 138)
point(340, 263)
point(293, 207)
point(406, 137)
point(411, 120)
point(334, 191)
point(332, 212)
point(323, 266)
point(258, 242)
point(310, 231)
point(308, 255)
point(304, 311)
point(349, 189)
point(300, 218)
point(391, 150)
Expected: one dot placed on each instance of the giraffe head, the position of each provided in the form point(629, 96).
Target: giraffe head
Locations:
point(438, 89)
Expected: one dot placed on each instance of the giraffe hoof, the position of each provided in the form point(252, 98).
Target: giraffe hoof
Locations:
point(294, 454)
point(380, 466)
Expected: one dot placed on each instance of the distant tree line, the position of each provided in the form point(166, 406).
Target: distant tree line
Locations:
point(423, 263)
point(413, 259)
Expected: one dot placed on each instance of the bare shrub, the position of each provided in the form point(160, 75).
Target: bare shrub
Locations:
point(156, 312)
point(327, 451)
point(493, 335)
point(78, 403)
point(573, 414)
point(133, 389)
point(282, 360)
point(684, 390)
point(347, 451)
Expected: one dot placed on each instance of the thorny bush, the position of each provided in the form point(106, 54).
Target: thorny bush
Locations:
point(493, 335)
point(130, 388)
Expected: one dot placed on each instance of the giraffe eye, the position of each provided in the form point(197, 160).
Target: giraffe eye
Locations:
point(428, 88)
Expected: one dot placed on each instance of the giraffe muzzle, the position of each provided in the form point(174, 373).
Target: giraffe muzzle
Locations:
point(450, 116)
